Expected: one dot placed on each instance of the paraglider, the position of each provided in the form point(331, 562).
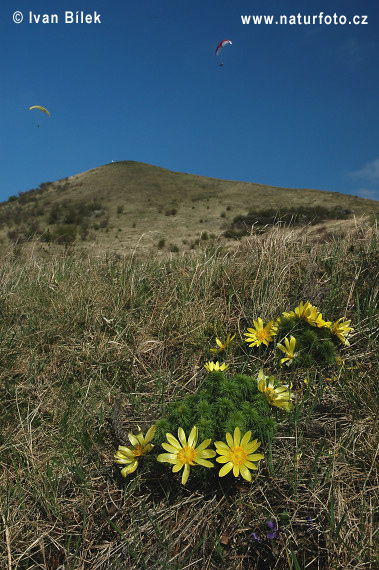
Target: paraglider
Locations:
point(222, 44)
point(40, 109)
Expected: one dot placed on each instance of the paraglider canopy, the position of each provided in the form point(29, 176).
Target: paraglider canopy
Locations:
point(40, 108)
point(221, 45)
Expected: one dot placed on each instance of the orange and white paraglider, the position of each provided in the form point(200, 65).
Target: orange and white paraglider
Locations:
point(219, 48)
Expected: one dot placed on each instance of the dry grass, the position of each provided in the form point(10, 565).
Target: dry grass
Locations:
point(93, 346)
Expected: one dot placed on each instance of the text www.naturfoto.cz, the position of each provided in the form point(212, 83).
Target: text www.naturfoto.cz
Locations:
point(305, 19)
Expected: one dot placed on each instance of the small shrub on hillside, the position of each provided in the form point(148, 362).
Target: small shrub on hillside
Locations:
point(234, 234)
point(295, 216)
point(14, 236)
point(53, 214)
point(64, 235)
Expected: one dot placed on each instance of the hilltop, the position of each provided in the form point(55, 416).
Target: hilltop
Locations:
point(122, 204)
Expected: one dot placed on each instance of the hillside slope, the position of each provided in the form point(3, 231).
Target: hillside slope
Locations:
point(122, 204)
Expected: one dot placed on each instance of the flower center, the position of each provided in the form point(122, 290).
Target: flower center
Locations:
point(138, 450)
point(262, 335)
point(186, 455)
point(237, 455)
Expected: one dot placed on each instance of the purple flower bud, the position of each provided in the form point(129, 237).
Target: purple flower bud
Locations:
point(275, 532)
point(255, 537)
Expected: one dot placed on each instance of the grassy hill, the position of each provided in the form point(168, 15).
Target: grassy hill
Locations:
point(122, 204)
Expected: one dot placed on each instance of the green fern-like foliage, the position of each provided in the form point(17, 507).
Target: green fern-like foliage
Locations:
point(314, 346)
point(222, 403)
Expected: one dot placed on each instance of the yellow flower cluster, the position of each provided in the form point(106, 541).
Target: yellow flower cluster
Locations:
point(237, 454)
point(309, 313)
point(263, 334)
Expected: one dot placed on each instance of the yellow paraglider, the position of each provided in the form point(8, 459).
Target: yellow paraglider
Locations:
point(40, 108)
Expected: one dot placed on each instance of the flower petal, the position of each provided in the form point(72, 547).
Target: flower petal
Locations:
point(229, 439)
point(174, 442)
point(252, 446)
point(204, 462)
point(192, 439)
point(250, 465)
point(133, 440)
point(205, 454)
point(124, 454)
point(222, 446)
point(148, 448)
point(124, 461)
point(236, 470)
point(203, 445)
point(185, 475)
point(224, 470)
point(255, 457)
point(245, 439)
point(129, 469)
point(150, 434)
point(223, 458)
point(237, 436)
point(167, 458)
point(182, 437)
point(169, 447)
point(245, 473)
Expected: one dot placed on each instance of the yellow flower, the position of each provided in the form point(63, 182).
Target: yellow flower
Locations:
point(304, 311)
point(260, 334)
point(341, 329)
point(279, 397)
point(222, 346)
point(288, 350)
point(184, 453)
point(129, 456)
point(216, 366)
point(238, 454)
point(315, 318)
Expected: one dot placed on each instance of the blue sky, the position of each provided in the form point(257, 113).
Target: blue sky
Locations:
point(293, 105)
